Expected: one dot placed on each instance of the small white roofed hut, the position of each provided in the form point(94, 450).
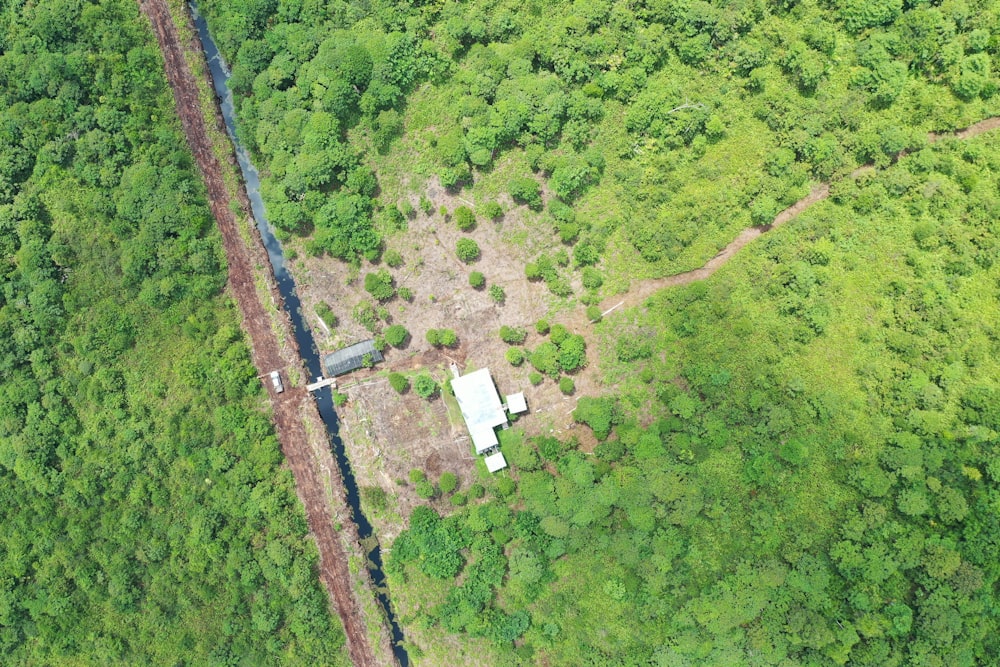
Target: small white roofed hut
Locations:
point(516, 404)
point(481, 408)
point(495, 462)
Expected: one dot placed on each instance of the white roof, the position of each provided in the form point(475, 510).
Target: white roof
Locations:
point(479, 401)
point(495, 462)
point(516, 403)
point(484, 437)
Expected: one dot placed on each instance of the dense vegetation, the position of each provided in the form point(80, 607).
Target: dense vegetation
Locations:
point(798, 464)
point(144, 517)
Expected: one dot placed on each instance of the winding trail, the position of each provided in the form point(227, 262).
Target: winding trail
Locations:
point(298, 425)
point(640, 291)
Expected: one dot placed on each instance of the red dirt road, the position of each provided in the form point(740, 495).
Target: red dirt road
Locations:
point(299, 427)
point(640, 291)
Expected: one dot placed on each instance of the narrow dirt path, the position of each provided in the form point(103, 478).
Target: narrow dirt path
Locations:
point(639, 292)
point(295, 415)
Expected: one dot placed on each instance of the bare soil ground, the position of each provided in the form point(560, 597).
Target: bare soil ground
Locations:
point(386, 434)
point(299, 427)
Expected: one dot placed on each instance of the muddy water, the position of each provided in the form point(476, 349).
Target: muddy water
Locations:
point(307, 345)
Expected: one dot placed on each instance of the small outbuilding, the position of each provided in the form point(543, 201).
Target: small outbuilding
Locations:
point(495, 461)
point(516, 403)
point(351, 358)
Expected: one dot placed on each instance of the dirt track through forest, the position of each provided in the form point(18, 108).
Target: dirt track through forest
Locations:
point(639, 292)
point(296, 418)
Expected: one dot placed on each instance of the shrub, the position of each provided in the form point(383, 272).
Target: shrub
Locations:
point(477, 280)
point(434, 337)
point(465, 218)
point(477, 491)
point(592, 278)
point(498, 294)
point(558, 333)
point(374, 497)
point(545, 359)
point(417, 475)
point(399, 382)
point(492, 210)
point(326, 314)
point(504, 486)
point(339, 399)
point(542, 326)
point(594, 313)
point(526, 191)
point(572, 353)
point(379, 285)
point(425, 386)
point(448, 482)
point(426, 490)
point(406, 208)
point(515, 356)
point(395, 335)
point(512, 335)
point(447, 337)
point(467, 250)
point(405, 293)
point(566, 385)
point(535, 378)
point(532, 271)
point(458, 500)
point(393, 259)
point(365, 315)
point(426, 205)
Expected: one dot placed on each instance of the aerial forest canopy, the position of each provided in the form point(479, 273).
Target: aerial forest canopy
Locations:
point(796, 461)
point(144, 517)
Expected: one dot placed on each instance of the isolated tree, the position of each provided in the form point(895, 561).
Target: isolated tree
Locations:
point(512, 335)
point(379, 285)
point(465, 219)
point(425, 386)
point(395, 335)
point(498, 294)
point(399, 382)
point(467, 250)
point(477, 280)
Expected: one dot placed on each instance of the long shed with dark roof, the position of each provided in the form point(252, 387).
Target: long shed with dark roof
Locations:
point(351, 358)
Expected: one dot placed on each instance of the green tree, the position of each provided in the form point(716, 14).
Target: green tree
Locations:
point(465, 218)
point(467, 250)
point(448, 482)
point(477, 280)
point(425, 386)
point(396, 335)
point(399, 382)
point(380, 285)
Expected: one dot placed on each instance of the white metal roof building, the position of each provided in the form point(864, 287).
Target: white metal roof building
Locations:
point(495, 462)
point(516, 404)
point(481, 408)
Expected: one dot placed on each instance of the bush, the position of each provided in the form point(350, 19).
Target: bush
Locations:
point(558, 334)
point(379, 285)
point(512, 335)
point(467, 250)
point(417, 475)
point(339, 399)
point(458, 500)
point(594, 313)
point(477, 491)
point(426, 490)
point(498, 294)
point(515, 356)
point(566, 385)
point(405, 293)
point(448, 482)
point(395, 335)
point(425, 386)
point(374, 497)
point(505, 486)
point(465, 218)
point(393, 259)
point(535, 378)
point(542, 327)
point(592, 278)
point(399, 382)
point(532, 271)
point(365, 315)
point(447, 337)
point(526, 191)
point(492, 210)
point(426, 205)
point(572, 353)
point(326, 314)
point(406, 208)
point(477, 280)
point(434, 337)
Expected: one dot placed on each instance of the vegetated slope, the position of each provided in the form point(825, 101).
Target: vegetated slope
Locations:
point(145, 519)
point(799, 463)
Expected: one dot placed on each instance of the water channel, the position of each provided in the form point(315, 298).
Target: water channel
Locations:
point(307, 345)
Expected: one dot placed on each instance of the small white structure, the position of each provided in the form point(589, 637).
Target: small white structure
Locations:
point(516, 404)
point(481, 408)
point(495, 461)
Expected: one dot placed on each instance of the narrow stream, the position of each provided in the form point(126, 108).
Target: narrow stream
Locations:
point(307, 346)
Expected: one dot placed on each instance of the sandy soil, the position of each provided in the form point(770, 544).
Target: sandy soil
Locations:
point(297, 422)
